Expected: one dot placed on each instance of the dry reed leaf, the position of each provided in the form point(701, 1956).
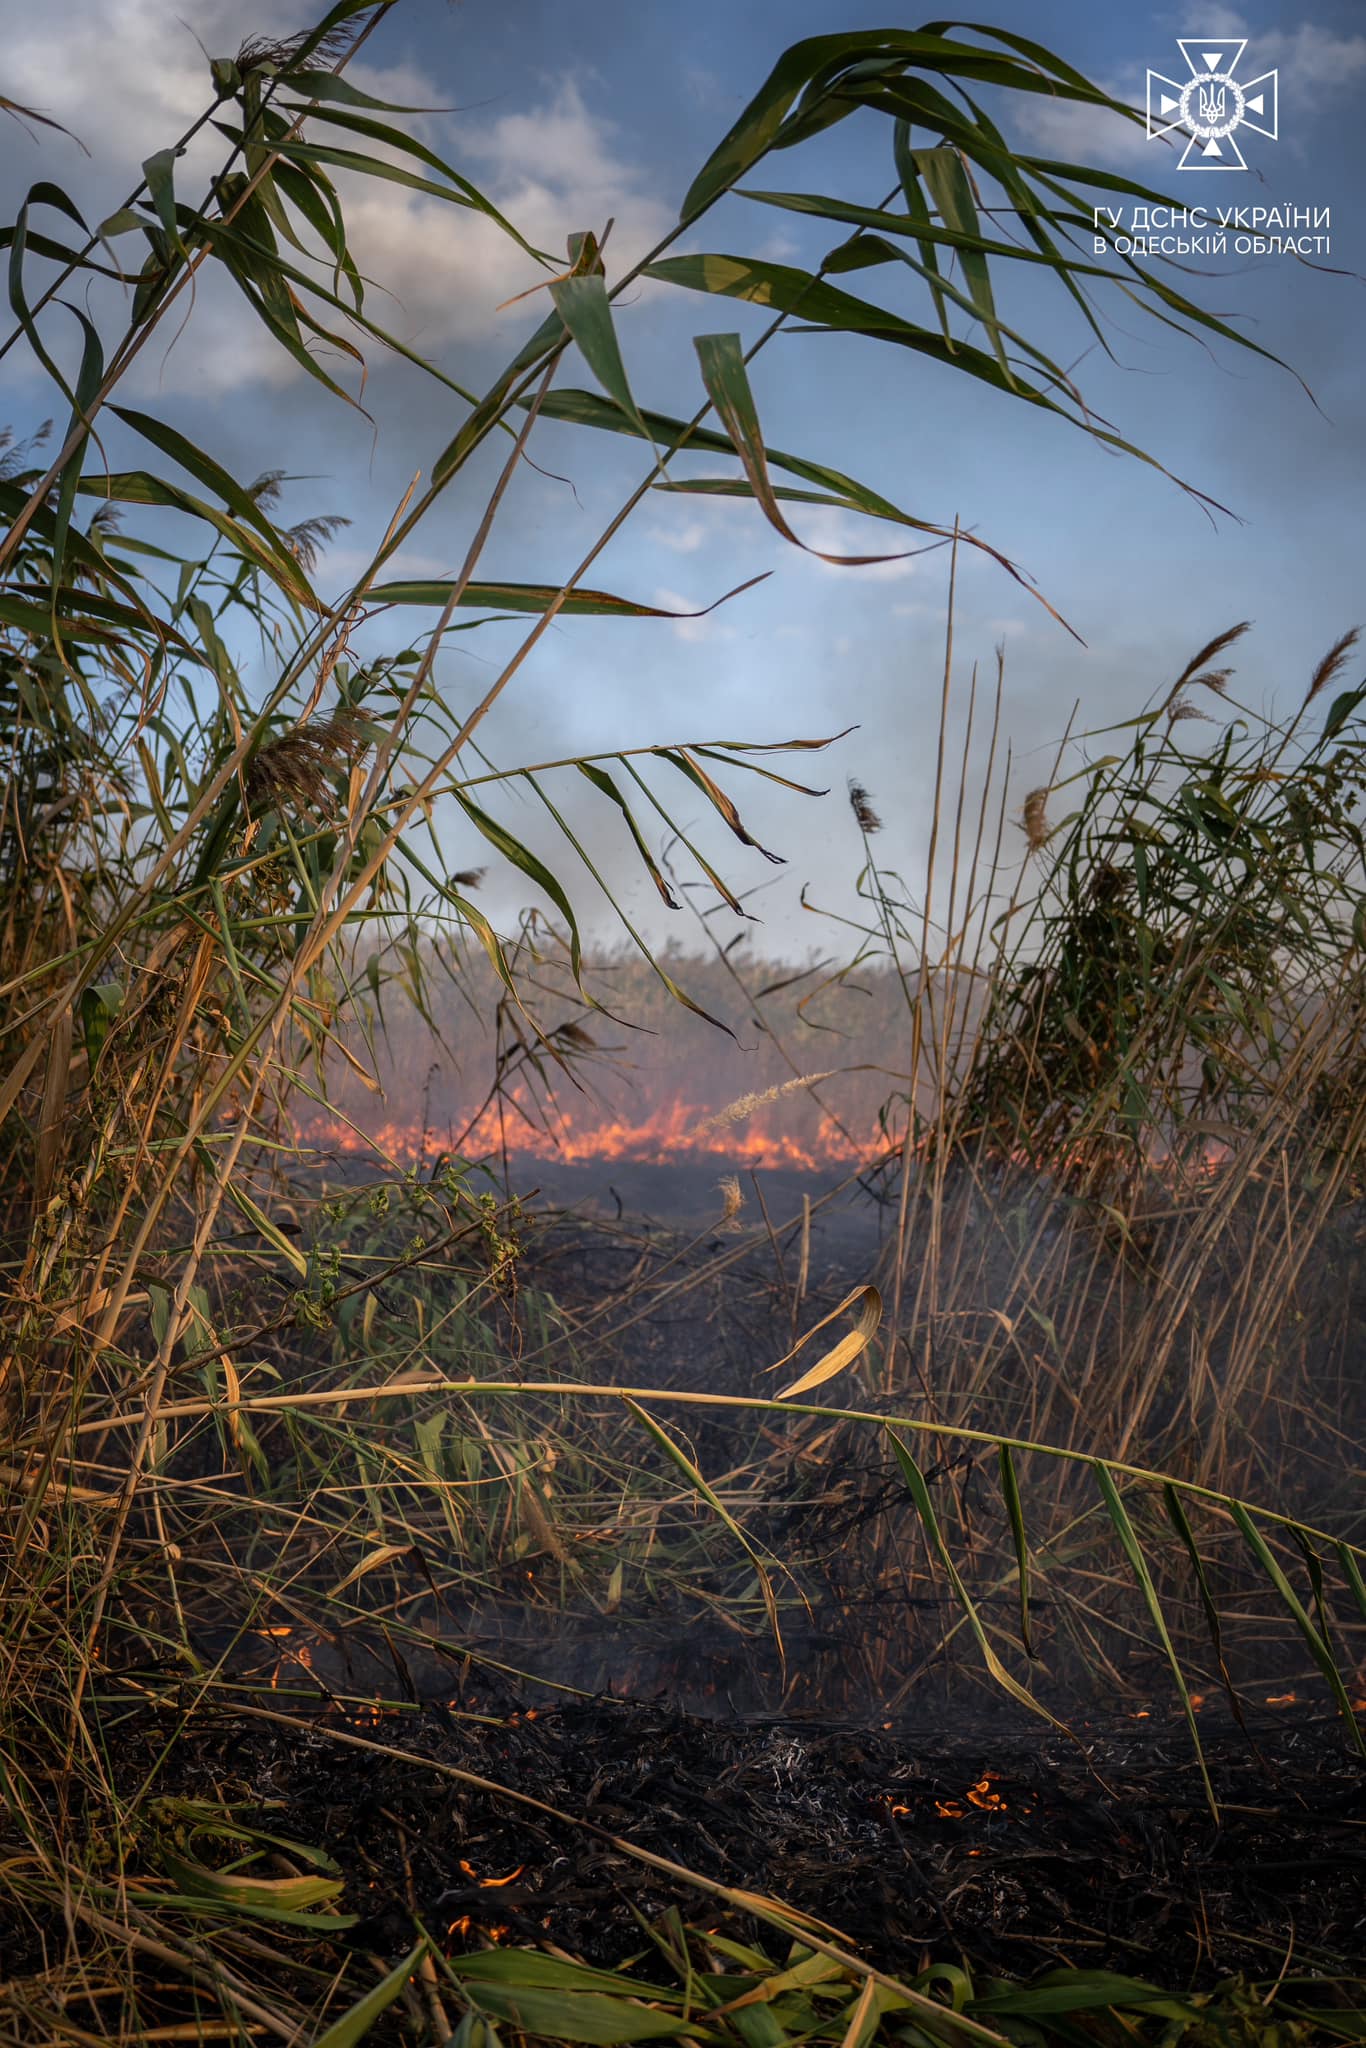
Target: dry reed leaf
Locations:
point(382, 1554)
point(850, 1346)
point(71, 1316)
point(19, 1073)
point(54, 1097)
point(237, 1434)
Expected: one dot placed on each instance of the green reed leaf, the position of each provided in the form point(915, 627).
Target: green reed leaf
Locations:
point(1138, 1563)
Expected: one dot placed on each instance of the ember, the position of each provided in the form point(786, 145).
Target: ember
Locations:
point(984, 1795)
point(1107, 1852)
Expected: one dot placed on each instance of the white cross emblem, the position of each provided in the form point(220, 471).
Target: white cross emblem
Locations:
point(1212, 103)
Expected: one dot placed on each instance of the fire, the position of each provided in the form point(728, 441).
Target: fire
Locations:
point(981, 1794)
point(287, 1652)
point(667, 1134)
point(984, 1795)
point(465, 1927)
point(490, 1883)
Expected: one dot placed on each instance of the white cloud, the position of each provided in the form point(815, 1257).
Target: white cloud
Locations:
point(684, 540)
point(138, 80)
point(1310, 59)
point(123, 86)
point(726, 522)
point(1086, 135)
point(551, 170)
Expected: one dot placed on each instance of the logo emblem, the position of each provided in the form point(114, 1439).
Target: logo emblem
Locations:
point(1211, 104)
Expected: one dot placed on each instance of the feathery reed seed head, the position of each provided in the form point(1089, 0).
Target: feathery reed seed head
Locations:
point(861, 804)
point(1199, 666)
point(745, 1105)
point(1333, 663)
point(1034, 819)
point(297, 768)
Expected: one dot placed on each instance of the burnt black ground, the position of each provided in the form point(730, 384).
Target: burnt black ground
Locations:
point(973, 1840)
point(1014, 1852)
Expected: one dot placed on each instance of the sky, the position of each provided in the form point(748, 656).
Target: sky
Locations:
point(570, 112)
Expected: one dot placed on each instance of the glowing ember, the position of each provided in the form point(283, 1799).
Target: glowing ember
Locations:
point(983, 1794)
point(465, 1927)
point(490, 1883)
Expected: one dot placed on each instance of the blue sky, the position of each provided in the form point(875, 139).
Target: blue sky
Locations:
point(568, 113)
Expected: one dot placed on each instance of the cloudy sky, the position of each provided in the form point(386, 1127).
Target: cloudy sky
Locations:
point(568, 112)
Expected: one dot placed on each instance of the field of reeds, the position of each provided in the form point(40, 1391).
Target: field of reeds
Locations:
point(338, 1478)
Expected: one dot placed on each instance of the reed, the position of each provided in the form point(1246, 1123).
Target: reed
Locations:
point(234, 1415)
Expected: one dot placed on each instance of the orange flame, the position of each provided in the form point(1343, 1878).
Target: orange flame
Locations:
point(984, 1795)
point(465, 1927)
point(664, 1135)
point(490, 1883)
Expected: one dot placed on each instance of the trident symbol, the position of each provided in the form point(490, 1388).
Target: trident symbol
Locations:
point(1211, 103)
